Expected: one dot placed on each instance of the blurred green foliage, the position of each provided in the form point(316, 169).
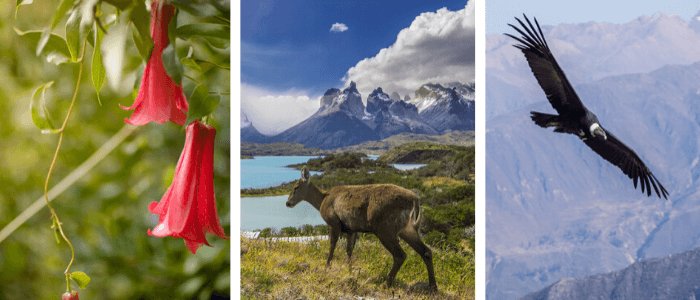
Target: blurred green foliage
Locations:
point(105, 213)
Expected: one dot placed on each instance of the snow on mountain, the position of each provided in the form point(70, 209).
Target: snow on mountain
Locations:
point(588, 52)
point(671, 277)
point(343, 119)
point(348, 101)
point(249, 133)
point(340, 121)
point(244, 121)
point(556, 209)
point(390, 116)
point(449, 107)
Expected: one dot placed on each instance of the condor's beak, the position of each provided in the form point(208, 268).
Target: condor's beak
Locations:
point(600, 132)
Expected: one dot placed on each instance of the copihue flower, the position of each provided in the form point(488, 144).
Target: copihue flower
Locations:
point(188, 208)
point(159, 99)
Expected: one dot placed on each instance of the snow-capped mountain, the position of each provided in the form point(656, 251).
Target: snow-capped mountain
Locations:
point(249, 133)
point(556, 209)
point(389, 116)
point(449, 107)
point(671, 277)
point(340, 121)
point(588, 52)
point(348, 101)
point(343, 119)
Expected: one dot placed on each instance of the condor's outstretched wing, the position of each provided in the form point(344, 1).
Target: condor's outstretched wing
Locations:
point(617, 153)
point(549, 75)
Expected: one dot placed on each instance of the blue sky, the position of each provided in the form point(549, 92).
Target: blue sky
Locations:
point(287, 44)
point(551, 12)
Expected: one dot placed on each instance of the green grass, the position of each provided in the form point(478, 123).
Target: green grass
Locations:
point(286, 270)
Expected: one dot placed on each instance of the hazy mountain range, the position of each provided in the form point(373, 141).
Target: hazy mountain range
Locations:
point(557, 210)
point(671, 277)
point(343, 119)
point(588, 52)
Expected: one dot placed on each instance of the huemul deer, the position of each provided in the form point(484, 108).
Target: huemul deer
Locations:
point(387, 210)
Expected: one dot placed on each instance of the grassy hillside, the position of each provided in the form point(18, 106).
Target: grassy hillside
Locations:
point(284, 270)
point(276, 149)
point(459, 138)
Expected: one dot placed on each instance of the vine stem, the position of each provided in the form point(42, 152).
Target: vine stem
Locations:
point(54, 216)
point(68, 181)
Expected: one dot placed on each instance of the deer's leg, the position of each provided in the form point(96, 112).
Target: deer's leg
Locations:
point(412, 238)
point(352, 238)
point(391, 243)
point(333, 235)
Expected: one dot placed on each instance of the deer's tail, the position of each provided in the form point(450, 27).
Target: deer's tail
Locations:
point(415, 214)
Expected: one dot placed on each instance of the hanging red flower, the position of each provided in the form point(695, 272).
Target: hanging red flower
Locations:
point(159, 98)
point(188, 208)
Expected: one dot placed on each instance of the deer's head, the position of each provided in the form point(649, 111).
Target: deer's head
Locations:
point(301, 189)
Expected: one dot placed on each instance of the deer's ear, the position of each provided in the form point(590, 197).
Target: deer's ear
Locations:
point(305, 174)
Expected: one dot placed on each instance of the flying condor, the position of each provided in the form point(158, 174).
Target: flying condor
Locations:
point(574, 117)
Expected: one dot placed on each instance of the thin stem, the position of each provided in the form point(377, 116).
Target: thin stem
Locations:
point(54, 215)
point(68, 181)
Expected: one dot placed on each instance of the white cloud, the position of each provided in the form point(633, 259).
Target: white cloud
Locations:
point(339, 27)
point(437, 47)
point(273, 112)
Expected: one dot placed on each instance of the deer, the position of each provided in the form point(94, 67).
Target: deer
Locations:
point(388, 211)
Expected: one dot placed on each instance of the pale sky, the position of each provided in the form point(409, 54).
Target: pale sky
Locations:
point(552, 12)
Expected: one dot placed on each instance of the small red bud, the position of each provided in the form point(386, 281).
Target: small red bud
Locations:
point(70, 296)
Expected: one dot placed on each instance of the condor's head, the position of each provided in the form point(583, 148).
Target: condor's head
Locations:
point(597, 131)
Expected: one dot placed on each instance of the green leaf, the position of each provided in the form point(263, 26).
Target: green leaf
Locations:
point(113, 51)
point(55, 49)
point(195, 8)
point(40, 116)
point(140, 19)
point(80, 278)
point(203, 30)
point(120, 4)
point(61, 11)
point(19, 3)
point(172, 65)
point(97, 68)
point(216, 35)
point(201, 103)
point(73, 35)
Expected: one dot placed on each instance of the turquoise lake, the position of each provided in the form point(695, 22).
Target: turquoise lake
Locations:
point(267, 171)
point(262, 212)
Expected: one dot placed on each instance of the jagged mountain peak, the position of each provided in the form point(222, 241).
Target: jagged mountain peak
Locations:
point(343, 119)
point(245, 122)
point(352, 88)
point(331, 92)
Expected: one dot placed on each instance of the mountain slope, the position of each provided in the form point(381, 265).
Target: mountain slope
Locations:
point(672, 277)
point(339, 122)
point(588, 52)
point(249, 133)
point(392, 116)
point(444, 108)
point(556, 209)
point(343, 119)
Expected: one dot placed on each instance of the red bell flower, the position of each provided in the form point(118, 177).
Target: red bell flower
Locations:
point(159, 98)
point(188, 208)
